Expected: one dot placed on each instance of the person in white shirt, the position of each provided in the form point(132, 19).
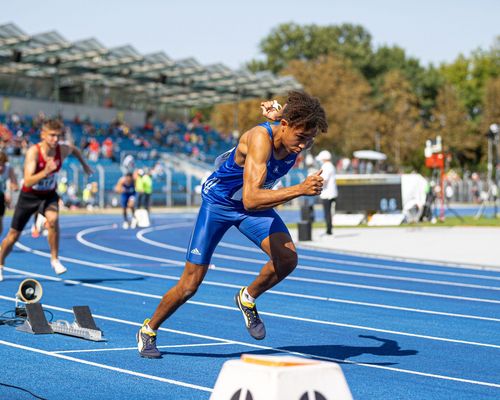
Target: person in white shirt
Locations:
point(329, 194)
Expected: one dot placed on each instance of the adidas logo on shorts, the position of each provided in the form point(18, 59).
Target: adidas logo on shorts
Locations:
point(196, 252)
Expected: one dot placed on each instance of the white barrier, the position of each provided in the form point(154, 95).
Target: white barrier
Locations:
point(280, 378)
point(386, 219)
point(142, 217)
point(348, 219)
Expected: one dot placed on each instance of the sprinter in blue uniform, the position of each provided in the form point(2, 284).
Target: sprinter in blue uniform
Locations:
point(126, 187)
point(240, 193)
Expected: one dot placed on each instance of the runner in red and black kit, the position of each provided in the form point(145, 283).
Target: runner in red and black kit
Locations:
point(41, 165)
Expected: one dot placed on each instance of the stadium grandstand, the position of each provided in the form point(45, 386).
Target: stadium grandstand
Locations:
point(47, 66)
point(106, 97)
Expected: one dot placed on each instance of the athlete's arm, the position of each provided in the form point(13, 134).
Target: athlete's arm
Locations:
point(13, 180)
point(67, 149)
point(255, 198)
point(118, 187)
point(30, 177)
point(271, 110)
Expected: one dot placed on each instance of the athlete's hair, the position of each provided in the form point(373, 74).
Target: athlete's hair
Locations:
point(3, 157)
point(304, 110)
point(53, 124)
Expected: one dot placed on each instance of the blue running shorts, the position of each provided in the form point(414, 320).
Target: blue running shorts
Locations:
point(124, 199)
point(214, 221)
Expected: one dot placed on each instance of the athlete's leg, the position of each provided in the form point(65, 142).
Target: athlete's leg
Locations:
point(184, 289)
point(131, 205)
point(210, 226)
point(267, 230)
point(52, 217)
point(26, 206)
point(2, 210)
point(7, 244)
point(282, 261)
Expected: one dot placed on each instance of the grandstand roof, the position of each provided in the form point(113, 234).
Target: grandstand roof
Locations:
point(155, 77)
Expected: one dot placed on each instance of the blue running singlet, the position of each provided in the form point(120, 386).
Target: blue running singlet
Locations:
point(225, 185)
point(128, 191)
point(222, 206)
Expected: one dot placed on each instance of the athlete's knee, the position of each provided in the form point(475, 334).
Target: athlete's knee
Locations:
point(286, 262)
point(188, 285)
point(187, 288)
point(13, 235)
point(52, 223)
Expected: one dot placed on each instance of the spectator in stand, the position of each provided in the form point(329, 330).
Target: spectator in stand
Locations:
point(128, 164)
point(108, 149)
point(94, 150)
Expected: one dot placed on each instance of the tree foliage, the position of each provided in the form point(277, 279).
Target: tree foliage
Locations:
point(381, 92)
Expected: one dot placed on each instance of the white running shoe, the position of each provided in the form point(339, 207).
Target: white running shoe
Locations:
point(58, 267)
point(125, 225)
point(1, 274)
point(133, 224)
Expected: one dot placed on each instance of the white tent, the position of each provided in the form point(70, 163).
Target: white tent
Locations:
point(370, 155)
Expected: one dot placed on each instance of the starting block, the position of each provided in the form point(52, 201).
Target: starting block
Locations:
point(280, 378)
point(83, 327)
point(35, 322)
point(142, 217)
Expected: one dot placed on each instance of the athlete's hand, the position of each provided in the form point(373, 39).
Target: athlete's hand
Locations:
point(50, 166)
point(272, 110)
point(313, 184)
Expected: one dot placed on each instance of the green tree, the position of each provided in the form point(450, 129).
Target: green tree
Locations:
point(345, 95)
point(399, 122)
point(451, 121)
point(290, 41)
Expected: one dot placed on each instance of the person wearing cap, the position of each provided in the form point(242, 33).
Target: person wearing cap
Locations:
point(329, 194)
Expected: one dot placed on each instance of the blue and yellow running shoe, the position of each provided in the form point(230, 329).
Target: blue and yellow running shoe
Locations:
point(146, 342)
point(254, 324)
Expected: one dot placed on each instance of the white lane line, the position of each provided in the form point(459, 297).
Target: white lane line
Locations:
point(366, 264)
point(105, 366)
point(174, 346)
point(255, 346)
point(140, 236)
point(226, 285)
point(276, 315)
point(254, 249)
point(81, 239)
point(289, 294)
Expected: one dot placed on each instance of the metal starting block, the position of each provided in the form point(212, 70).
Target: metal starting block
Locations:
point(84, 325)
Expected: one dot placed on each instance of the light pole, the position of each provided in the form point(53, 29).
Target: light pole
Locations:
point(493, 137)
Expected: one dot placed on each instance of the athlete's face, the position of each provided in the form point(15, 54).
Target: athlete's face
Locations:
point(296, 139)
point(51, 137)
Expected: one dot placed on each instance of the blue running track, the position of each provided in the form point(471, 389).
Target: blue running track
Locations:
point(400, 330)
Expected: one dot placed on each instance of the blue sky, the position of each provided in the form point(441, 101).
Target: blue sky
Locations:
point(230, 31)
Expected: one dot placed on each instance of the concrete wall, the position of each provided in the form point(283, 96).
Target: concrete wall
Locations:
point(68, 110)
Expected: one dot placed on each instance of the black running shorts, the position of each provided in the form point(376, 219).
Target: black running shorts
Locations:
point(2, 204)
point(30, 203)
